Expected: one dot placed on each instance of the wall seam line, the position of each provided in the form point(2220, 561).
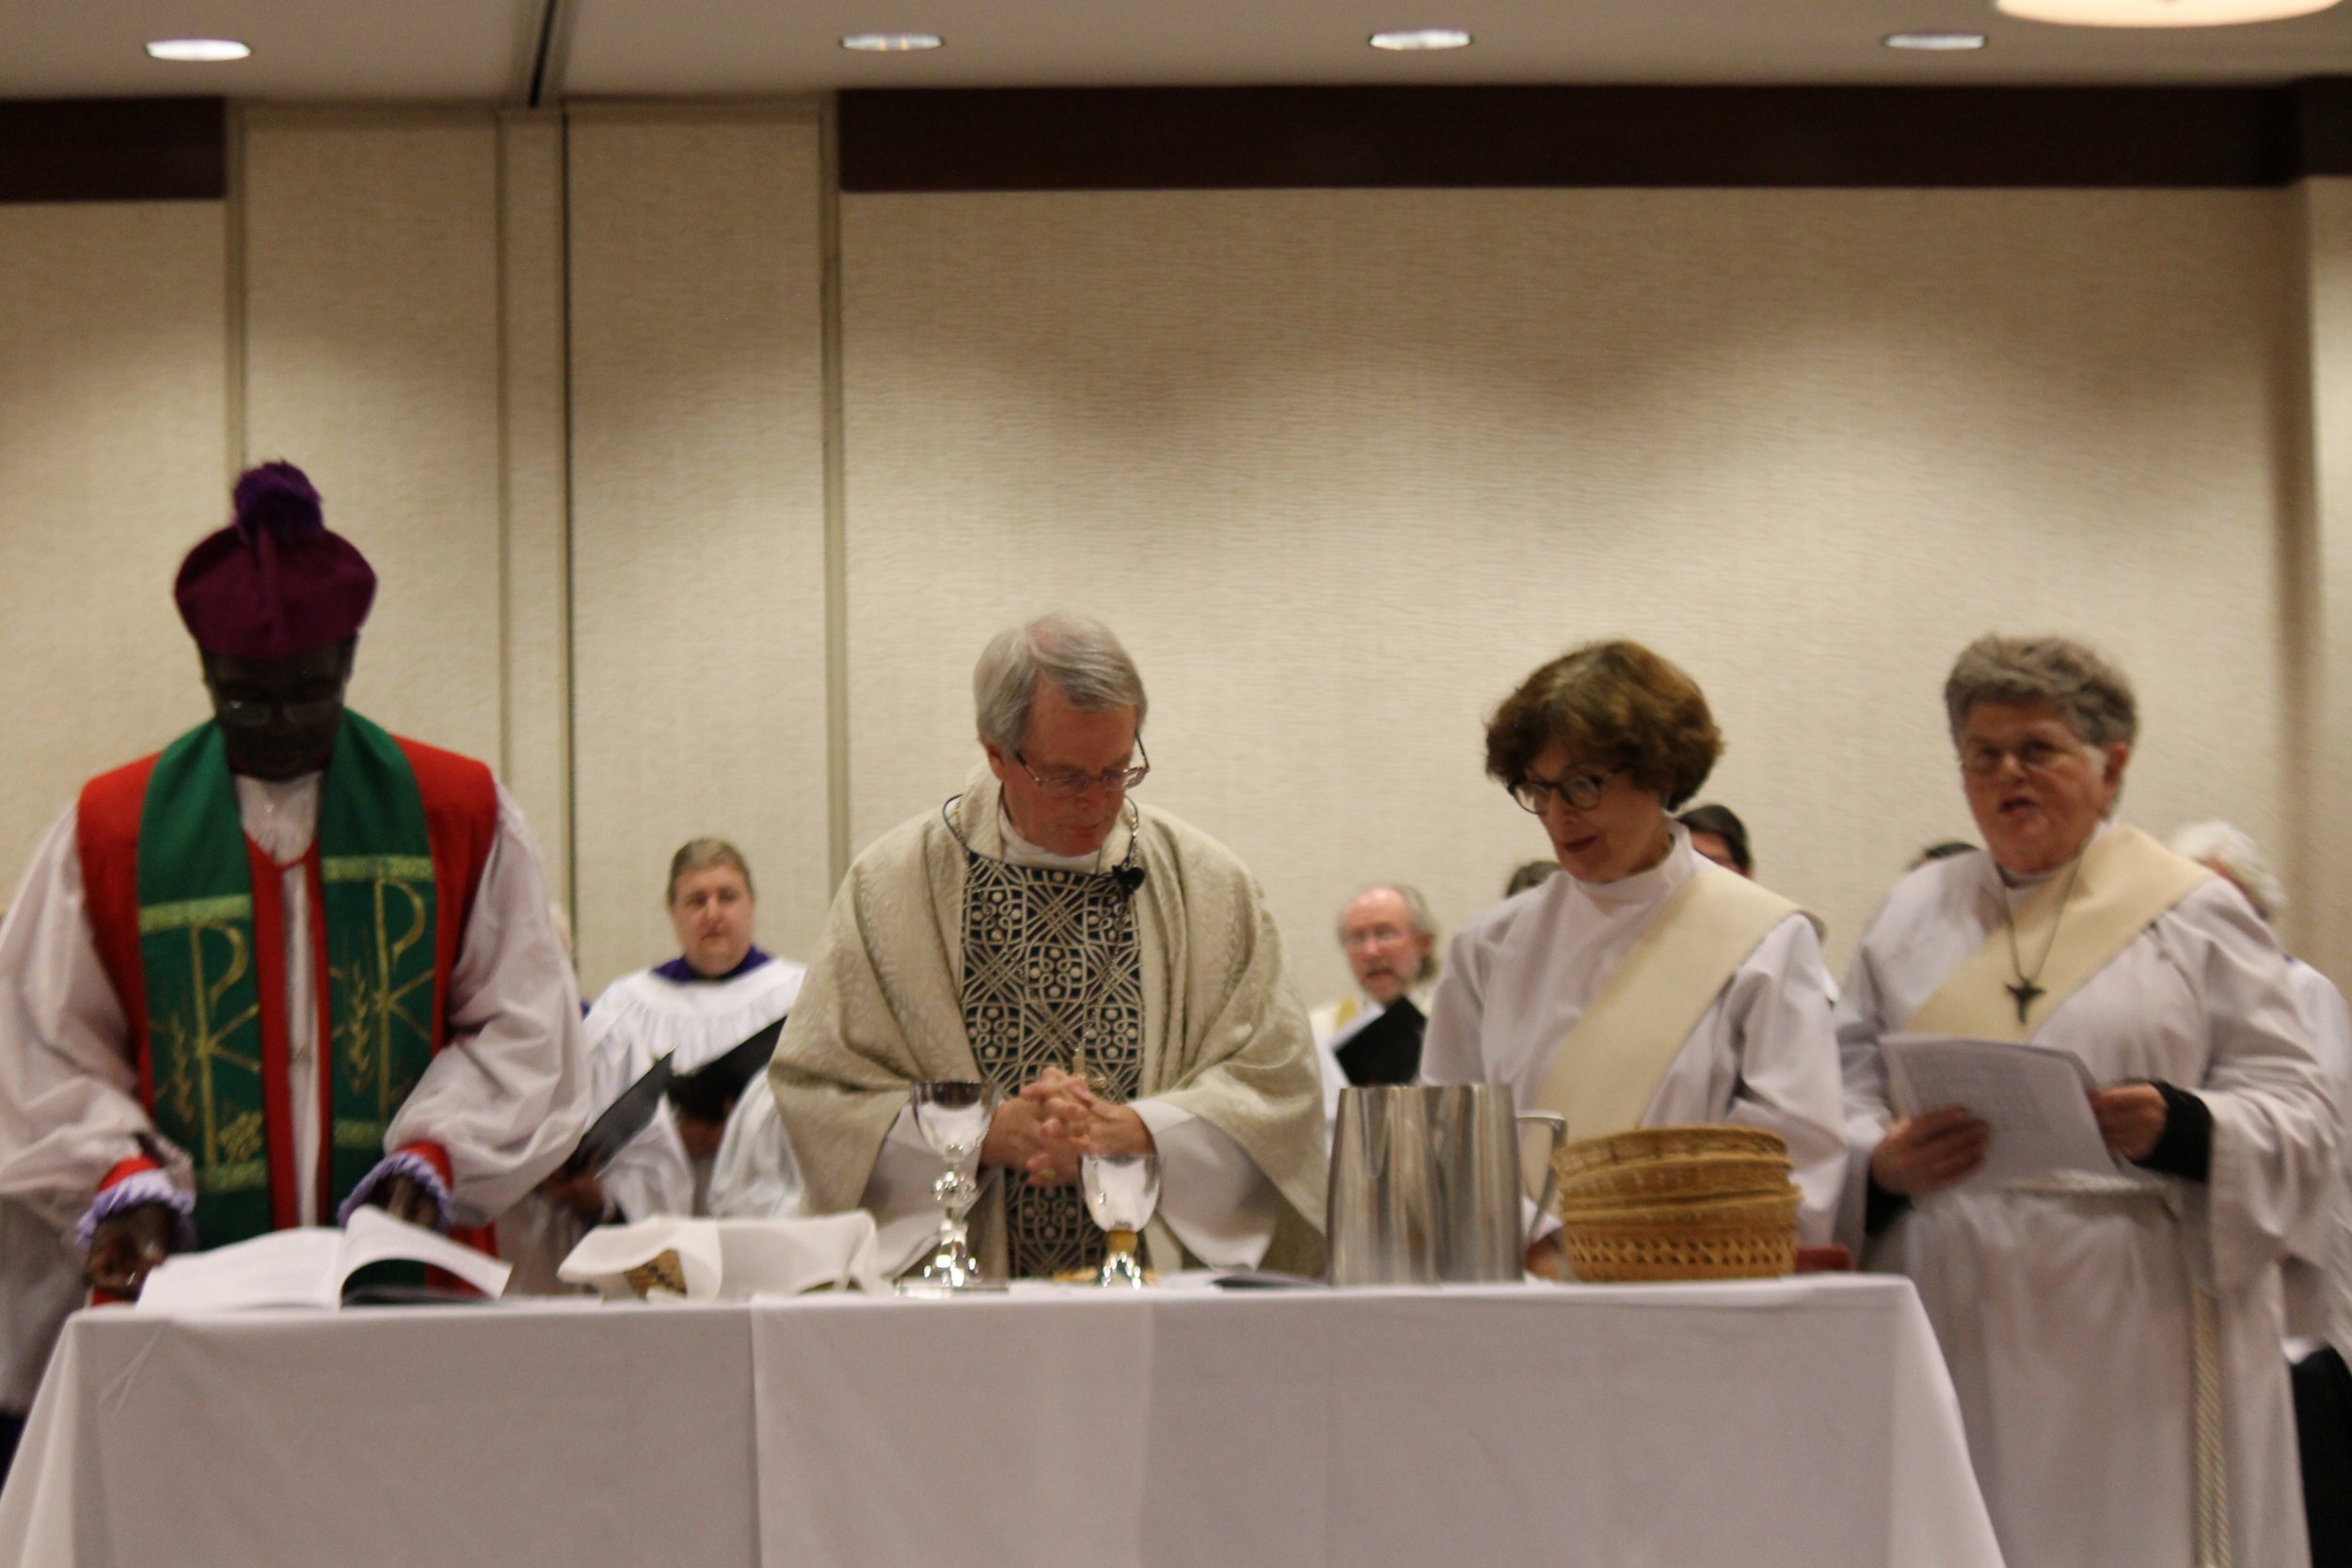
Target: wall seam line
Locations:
point(836, 493)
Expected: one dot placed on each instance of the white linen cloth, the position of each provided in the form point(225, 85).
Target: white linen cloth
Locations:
point(1520, 975)
point(506, 1096)
point(2066, 1318)
point(1782, 1424)
point(733, 1259)
point(637, 1019)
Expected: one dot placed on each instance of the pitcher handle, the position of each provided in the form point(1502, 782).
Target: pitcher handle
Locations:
point(1559, 1125)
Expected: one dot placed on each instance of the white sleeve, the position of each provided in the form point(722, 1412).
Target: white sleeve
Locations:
point(1453, 1049)
point(507, 1097)
point(651, 1175)
point(1211, 1193)
point(69, 1090)
point(754, 1175)
point(1862, 1076)
point(1778, 1002)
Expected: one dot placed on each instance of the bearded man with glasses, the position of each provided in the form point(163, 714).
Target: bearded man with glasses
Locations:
point(1113, 971)
point(1646, 987)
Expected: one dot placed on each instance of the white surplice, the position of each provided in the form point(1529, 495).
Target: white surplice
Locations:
point(2319, 1274)
point(1212, 1195)
point(2067, 1319)
point(1521, 976)
point(506, 1095)
point(754, 1175)
point(639, 1019)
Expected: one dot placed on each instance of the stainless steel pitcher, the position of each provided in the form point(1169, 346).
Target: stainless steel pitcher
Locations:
point(1425, 1185)
point(1380, 1220)
point(1481, 1234)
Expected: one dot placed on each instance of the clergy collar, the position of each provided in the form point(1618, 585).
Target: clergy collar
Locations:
point(2014, 880)
point(1645, 887)
point(978, 819)
point(684, 974)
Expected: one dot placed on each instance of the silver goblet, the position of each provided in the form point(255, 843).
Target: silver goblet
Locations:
point(1121, 1191)
point(953, 1116)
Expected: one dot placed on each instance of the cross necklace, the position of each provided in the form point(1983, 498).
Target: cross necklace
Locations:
point(2026, 990)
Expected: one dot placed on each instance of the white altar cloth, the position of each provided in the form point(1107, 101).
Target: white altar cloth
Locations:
point(1804, 1421)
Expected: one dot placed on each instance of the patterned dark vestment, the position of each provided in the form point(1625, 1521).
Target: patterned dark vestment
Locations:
point(1053, 976)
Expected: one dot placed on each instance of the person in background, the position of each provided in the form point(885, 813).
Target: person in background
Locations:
point(1727, 1019)
point(1717, 833)
point(1374, 1035)
point(2113, 1338)
point(291, 965)
point(1530, 875)
point(2318, 1282)
point(718, 992)
point(1115, 973)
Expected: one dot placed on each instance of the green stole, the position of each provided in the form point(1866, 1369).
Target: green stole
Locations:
point(199, 954)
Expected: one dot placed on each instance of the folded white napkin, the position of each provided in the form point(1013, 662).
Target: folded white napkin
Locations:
point(733, 1259)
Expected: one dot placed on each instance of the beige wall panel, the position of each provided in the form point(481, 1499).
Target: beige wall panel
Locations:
point(2323, 923)
point(536, 749)
point(112, 461)
point(373, 360)
point(697, 520)
point(1342, 467)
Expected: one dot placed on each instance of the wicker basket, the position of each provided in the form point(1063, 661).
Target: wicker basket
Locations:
point(1745, 1238)
point(1683, 1179)
point(1644, 1144)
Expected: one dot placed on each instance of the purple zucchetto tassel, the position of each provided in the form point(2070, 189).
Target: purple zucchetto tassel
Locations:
point(279, 498)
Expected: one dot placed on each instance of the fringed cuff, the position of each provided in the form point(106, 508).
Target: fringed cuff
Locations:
point(130, 1189)
point(416, 1163)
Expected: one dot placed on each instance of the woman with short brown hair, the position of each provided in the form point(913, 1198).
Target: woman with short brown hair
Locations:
point(1646, 987)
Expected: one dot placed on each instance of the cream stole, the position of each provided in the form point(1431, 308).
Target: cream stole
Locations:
point(1608, 1070)
point(2126, 882)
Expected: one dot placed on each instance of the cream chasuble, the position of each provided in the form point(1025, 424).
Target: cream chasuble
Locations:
point(2067, 1316)
point(1223, 1042)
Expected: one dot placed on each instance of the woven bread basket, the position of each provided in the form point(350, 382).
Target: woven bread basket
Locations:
point(1644, 1144)
point(1743, 1238)
point(1682, 1179)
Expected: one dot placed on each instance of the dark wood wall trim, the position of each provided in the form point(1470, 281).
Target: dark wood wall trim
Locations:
point(114, 149)
point(1178, 138)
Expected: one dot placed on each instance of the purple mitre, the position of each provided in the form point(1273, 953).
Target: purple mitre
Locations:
point(275, 583)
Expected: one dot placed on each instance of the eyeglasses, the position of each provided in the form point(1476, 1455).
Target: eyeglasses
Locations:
point(1583, 792)
point(1070, 784)
point(2035, 755)
point(253, 712)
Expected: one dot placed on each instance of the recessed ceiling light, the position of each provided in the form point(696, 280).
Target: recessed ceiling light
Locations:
point(1421, 37)
point(197, 49)
point(2159, 13)
point(1935, 42)
point(889, 43)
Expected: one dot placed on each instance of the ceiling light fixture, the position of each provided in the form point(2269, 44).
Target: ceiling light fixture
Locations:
point(2158, 13)
point(1407, 38)
point(889, 43)
point(197, 49)
point(1944, 43)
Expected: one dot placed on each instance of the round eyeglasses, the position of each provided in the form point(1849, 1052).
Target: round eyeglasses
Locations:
point(1582, 792)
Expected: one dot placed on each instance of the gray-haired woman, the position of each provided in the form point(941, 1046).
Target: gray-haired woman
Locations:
point(2114, 1337)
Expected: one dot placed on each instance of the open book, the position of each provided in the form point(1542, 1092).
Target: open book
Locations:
point(307, 1267)
point(2035, 1099)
